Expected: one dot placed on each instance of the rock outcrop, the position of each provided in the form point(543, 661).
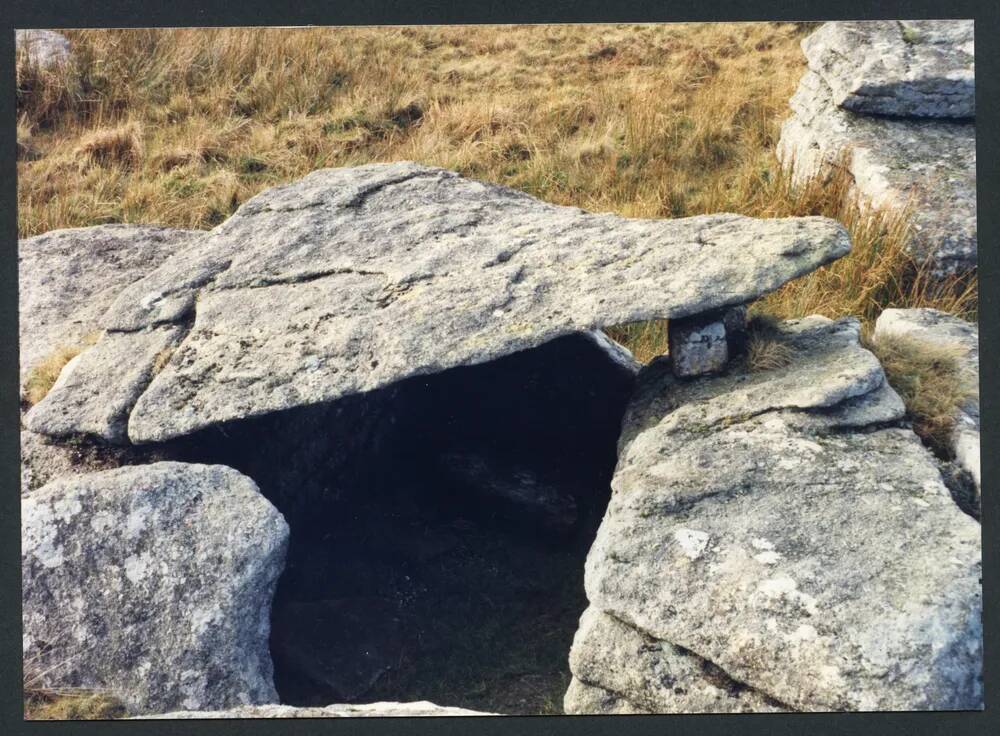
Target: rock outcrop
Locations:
point(44, 49)
point(366, 710)
point(352, 279)
point(903, 68)
point(640, 674)
point(925, 162)
point(67, 279)
point(935, 329)
point(153, 583)
point(781, 526)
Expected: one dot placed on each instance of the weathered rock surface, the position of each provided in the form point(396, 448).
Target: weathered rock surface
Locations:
point(45, 49)
point(153, 583)
point(639, 674)
point(44, 459)
point(96, 391)
point(928, 166)
point(584, 699)
point(366, 710)
point(351, 279)
point(68, 278)
point(779, 526)
point(938, 329)
point(910, 68)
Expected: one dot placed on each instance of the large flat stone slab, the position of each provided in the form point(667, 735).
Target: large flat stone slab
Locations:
point(68, 278)
point(351, 279)
point(361, 710)
point(905, 68)
point(926, 166)
point(781, 525)
point(153, 583)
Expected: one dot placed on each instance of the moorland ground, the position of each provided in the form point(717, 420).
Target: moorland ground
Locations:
point(180, 126)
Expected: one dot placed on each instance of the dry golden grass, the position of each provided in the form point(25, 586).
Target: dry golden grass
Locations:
point(660, 120)
point(767, 354)
point(72, 705)
point(44, 374)
point(646, 340)
point(878, 273)
point(44, 703)
point(117, 146)
point(648, 120)
point(24, 148)
point(930, 381)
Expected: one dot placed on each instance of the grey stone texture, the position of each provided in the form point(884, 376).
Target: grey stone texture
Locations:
point(784, 527)
point(44, 49)
point(361, 710)
point(351, 279)
point(152, 583)
point(926, 168)
point(68, 278)
point(903, 68)
point(96, 391)
point(702, 344)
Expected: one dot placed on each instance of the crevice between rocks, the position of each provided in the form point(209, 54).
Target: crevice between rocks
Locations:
point(710, 671)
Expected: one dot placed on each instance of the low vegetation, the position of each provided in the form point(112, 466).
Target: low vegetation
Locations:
point(180, 126)
point(931, 382)
point(765, 350)
point(43, 703)
point(72, 705)
point(44, 374)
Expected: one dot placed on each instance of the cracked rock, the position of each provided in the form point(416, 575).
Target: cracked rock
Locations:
point(911, 68)
point(639, 674)
point(153, 583)
point(934, 328)
point(351, 279)
point(924, 167)
point(782, 526)
point(68, 278)
point(96, 390)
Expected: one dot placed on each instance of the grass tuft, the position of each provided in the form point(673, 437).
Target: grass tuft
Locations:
point(45, 373)
point(25, 150)
point(45, 703)
point(766, 354)
point(931, 382)
point(72, 705)
point(646, 340)
point(120, 146)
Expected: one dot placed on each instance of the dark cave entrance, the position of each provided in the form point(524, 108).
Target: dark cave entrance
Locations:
point(439, 528)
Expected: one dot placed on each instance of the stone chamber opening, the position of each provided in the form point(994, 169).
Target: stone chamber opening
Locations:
point(439, 528)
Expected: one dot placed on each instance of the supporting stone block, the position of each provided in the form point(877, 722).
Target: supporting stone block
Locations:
point(702, 344)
